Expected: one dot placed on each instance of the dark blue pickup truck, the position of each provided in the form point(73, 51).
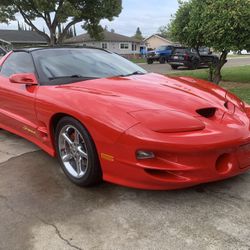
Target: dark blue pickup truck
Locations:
point(161, 54)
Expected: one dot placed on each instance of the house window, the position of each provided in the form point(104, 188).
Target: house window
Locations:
point(105, 45)
point(124, 45)
point(134, 47)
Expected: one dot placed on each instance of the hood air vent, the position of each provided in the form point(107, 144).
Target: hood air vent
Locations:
point(206, 112)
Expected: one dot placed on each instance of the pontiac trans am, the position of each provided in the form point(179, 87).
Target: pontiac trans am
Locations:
point(106, 118)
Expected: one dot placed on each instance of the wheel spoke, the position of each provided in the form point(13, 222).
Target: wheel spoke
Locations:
point(73, 151)
point(82, 153)
point(65, 136)
point(67, 157)
point(78, 165)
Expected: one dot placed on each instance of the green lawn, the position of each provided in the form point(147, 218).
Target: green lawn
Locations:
point(232, 74)
point(138, 60)
point(235, 79)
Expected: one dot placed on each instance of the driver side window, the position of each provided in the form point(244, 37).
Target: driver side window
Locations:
point(17, 62)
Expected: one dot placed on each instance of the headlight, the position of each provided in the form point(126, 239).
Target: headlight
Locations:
point(142, 155)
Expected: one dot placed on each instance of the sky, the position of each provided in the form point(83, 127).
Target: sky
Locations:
point(149, 15)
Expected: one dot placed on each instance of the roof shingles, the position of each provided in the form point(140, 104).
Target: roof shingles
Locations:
point(23, 36)
point(107, 37)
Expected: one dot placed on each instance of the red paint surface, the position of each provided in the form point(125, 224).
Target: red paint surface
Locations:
point(149, 112)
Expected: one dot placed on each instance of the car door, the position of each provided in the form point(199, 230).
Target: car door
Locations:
point(17, 101)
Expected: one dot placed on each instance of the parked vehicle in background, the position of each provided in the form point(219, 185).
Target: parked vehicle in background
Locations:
point(160, 55)
point(190, 58)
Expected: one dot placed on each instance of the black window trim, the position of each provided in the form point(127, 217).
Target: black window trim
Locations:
point(24, 51)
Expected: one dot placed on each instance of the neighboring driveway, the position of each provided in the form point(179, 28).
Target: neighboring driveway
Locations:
point(165, 68)
point(41, 209)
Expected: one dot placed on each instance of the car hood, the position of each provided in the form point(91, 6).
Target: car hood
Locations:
point(152, 52)
point(154, 91)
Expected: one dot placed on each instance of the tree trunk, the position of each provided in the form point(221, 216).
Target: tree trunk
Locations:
point(216, 73)
point(53, 39)
point(210, 73)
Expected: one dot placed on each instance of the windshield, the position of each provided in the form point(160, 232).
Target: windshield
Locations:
point(161, 48)
point(181, 51)
point(84, 62)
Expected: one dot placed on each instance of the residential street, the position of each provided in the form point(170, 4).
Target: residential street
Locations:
point(41, 209)
point(165, 68)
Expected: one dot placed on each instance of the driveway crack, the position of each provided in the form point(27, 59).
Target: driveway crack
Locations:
point(58, 233)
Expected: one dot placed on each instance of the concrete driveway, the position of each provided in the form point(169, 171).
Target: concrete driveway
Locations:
point(41, 209)
point(165, 68)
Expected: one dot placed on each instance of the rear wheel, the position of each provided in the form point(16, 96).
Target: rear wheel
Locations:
point(194, 65)
point(150, 61)
point(77, 153)
point(174, 66)
point(162, 60)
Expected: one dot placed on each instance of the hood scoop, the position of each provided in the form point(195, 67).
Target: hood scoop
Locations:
point(207, 112)
point(168, 121)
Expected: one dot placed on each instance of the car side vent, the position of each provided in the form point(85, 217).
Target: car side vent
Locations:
point(206, 112)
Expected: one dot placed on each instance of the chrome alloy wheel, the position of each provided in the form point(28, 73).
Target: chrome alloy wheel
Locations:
point(73, 151)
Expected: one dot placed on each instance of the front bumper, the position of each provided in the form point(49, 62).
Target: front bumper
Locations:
point(153, 57)
point(183, 170)
point(180, 63)
point(182, 160)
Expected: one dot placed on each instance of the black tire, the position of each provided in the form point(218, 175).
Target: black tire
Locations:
point(174, 66)
point(194, 65)
point(150, 61)
point(162, 60)
point(93, 174)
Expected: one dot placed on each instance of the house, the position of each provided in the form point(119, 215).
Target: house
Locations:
point(114, 42)
point(20, 38)
point(155, 41)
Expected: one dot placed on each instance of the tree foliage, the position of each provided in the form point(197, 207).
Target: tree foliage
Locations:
point(138, 34)
point(220, 24)
point(57, 12)
point(164, 32)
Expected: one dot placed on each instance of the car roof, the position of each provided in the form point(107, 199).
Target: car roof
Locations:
point(29, 50)
point(182, 47)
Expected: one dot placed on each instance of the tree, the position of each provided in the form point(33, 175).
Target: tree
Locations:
point(138, 34)
point(219, 24)
point(56, 12)
point(164, 32)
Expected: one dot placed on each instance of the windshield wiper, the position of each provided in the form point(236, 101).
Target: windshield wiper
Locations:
point(68, 77)
point(133, 73)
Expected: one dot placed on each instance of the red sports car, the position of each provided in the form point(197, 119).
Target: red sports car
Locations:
point(106, 118)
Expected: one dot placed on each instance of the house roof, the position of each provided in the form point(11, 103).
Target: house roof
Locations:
point(21, 36)
point(107, 37)
point(159, 36)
